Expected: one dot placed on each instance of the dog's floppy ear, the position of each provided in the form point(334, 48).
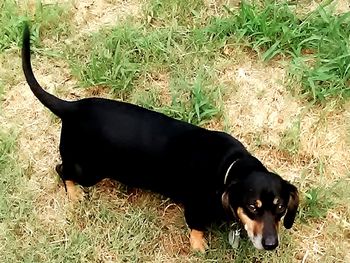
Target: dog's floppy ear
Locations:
point(225, 197)
point(225, 202)
point(292, 208)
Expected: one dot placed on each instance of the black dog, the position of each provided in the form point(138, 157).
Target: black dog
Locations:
point(209, 172)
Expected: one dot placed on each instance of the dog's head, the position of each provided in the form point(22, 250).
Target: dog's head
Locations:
point(259, 200)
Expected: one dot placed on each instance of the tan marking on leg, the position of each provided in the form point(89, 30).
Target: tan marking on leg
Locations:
point(197, 240)
point(75, 194)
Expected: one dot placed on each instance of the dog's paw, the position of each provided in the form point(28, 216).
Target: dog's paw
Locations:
point(75, 193)
point(197, 241)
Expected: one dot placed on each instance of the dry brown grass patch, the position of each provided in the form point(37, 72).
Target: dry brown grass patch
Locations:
point(174, 237)
point(92, 15)
point(260, 102)
point(341, 6)
point(153, 89)
point(261, 110)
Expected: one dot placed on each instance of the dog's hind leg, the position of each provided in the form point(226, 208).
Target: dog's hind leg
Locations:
point(74, 192)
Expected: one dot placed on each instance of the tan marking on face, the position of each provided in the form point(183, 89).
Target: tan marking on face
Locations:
point(275, 201)
point(258, 228)
point(258, 203)
point(197, 241)
point(74, 194)
point(254, 228)
point(277, 225)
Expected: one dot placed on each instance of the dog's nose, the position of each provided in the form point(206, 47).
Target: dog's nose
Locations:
point(270, 242)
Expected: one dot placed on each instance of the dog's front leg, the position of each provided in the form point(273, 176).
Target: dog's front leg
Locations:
point(195, 220)
point(197, 241)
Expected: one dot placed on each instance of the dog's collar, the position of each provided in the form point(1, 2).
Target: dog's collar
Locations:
point(228, 170)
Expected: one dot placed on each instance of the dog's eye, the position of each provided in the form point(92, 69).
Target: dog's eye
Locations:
point(252, 208)
point(280, 208)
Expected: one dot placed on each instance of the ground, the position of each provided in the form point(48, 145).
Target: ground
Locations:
point(306, 143)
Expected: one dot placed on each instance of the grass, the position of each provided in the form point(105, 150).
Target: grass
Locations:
point(47, 18)
point(317, 202)
point(180, 13)
point(128, 53)
point(121, 56)
point(204, 64)
point(291, 139)
point(317, 43)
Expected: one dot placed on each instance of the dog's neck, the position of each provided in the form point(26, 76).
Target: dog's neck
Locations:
point(242, 166)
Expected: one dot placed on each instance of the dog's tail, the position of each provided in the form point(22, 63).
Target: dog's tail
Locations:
point(56, 105)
